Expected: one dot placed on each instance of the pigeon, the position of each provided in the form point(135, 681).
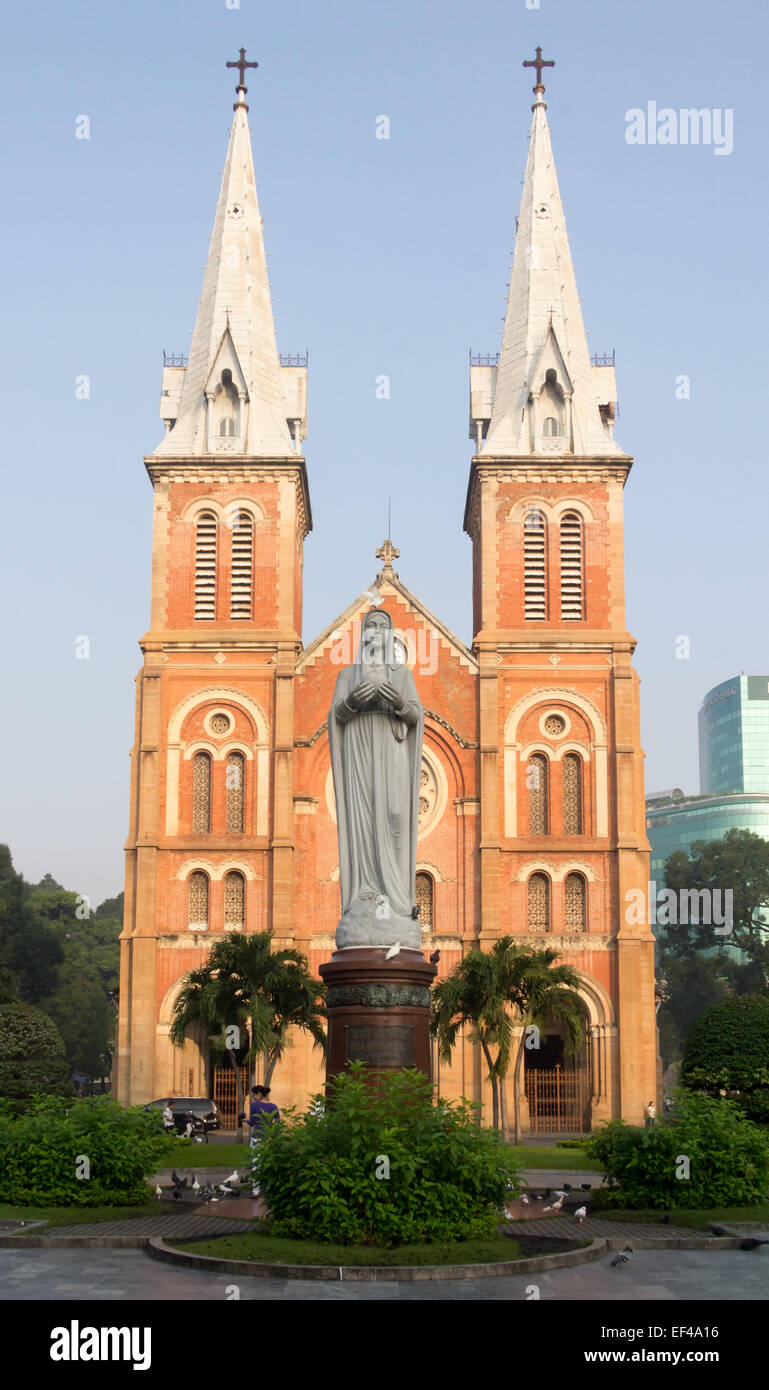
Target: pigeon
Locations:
point(177, 1181)
point(524, 1200)
point(234, 1177)
point(567, 1186)
point(664, 1220)
point(196, 1184)
point(435, 957)
point(556, 1206)
point(719, 1230)
point(752, 1243)
point(561, 1192)
point(580, 1214)
point(624, 1257)
point(586, 1186)
point(393, 951)
point(158, 1192)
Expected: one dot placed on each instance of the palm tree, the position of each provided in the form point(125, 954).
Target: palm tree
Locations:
point(495, 992)
point(264, 993)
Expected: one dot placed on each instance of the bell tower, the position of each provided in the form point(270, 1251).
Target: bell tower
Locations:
point(563, 838)
point(210, 844)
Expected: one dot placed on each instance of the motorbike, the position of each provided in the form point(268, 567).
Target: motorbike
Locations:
point(190, 1126)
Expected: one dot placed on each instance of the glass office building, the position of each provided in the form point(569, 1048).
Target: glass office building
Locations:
point(734, 737)
point(676, 821)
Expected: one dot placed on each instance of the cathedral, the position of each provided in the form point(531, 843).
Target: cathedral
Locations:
point(532, 793)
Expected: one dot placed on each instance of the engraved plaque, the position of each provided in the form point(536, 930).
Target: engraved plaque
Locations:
point(381, 1047)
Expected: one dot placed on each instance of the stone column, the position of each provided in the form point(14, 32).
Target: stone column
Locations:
point(378, 1009)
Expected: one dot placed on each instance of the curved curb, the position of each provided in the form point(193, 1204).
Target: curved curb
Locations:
point(157, 1248)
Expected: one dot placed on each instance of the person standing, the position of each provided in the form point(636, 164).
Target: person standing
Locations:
point(263, 1113)
point(651, 1114)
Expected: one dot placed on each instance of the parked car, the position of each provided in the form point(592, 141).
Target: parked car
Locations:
point(181, 1105)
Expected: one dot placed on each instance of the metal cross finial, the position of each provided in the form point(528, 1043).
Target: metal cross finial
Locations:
point(539, 63)
point(387, 552)
point(241, 65)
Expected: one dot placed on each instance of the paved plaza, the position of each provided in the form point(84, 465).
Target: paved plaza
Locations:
point(112, 1276)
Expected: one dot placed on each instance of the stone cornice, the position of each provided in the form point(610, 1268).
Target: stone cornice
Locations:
point(210, 469)
point(529, 468)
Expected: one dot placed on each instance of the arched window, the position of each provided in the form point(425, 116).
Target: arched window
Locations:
point(572, 794)
point(551, 426)
point(424, 896)
point(201, 794)
point(536, 781)
point(534, 566)
point(198, 901)
point(572, 587)
point(575, 903)
point(227, 427)
point(234, 788)
point(234, 901)
point(242, 565)
point(205, 567)
point(539, 903)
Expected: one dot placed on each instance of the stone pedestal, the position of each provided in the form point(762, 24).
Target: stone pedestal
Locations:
point(378, 1010)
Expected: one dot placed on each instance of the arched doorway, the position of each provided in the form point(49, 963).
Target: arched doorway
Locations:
point(558, 1085)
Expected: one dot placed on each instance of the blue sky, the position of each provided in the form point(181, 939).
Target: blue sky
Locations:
point(385, 257)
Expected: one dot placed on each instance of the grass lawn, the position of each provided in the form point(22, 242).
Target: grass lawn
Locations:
point(263, 1248)
point(548, 1156)
point(188, 1155)
point(71, 1216)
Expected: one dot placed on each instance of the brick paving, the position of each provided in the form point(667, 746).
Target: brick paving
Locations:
point(141, 1228)
point(594, 1229)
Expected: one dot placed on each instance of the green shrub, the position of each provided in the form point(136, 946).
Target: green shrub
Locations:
point(571, 1143)
point(728, 1158)
point(728, 1049)
point(381, 1164)
point(32, 1060)
point(42, 1151)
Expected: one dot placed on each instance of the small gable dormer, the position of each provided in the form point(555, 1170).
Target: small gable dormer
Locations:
point(549, 403)
point(226, 401)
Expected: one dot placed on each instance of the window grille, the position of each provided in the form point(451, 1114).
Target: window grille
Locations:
point(220, 723)
point(201, 794)
point(234, 900)
point(572, 794)
point(242, 565)
point(554, 725)
point(536, 778)
point(205, 567)
point(575, 903)
point(534, 566)
point(572, 596)
point(235, 776)
point(198, 909)
point(539, 903)
point(424, 897)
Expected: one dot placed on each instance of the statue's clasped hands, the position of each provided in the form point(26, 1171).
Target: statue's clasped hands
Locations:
point(366, 690)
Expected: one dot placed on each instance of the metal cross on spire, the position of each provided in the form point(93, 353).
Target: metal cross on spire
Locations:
point(241, 65)
point(539, 63)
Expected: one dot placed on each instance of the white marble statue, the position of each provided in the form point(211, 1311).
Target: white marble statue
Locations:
point(375, 730)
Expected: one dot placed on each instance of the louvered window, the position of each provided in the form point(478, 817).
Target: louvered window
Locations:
point(539, 903)
point(201, 794)
point(575, 903)
point(551, 426)
point(424, 897)
point(234, 900)
point(536, 781)
point(242, 565)
point(572, 596)
point(535, 566)
point(198, 906)
point(205, 567)
point(235, 776)
point(572, 794)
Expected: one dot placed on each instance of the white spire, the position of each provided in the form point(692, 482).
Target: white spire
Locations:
point(234, 372)
point(545, 381)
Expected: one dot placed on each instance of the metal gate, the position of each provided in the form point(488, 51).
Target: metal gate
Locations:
point(559, 1100)
point(226, 1095)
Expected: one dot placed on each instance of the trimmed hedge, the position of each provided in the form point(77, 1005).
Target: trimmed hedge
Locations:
point(728, 1050)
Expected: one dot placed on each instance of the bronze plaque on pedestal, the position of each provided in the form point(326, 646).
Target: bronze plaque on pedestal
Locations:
point(381, 1047)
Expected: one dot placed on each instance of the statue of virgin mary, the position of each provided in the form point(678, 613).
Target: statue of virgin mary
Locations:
point(375, 727)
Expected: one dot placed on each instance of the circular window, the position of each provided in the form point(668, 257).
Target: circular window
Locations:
point(554, 725)
point(220, 723)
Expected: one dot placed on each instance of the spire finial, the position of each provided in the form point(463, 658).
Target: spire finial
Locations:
point(387, 552)
point(241, 64)
point(539, 63)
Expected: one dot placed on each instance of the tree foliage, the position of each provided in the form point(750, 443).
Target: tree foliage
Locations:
point(739, 864)
point(728, 1050)
point(32, 1060)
